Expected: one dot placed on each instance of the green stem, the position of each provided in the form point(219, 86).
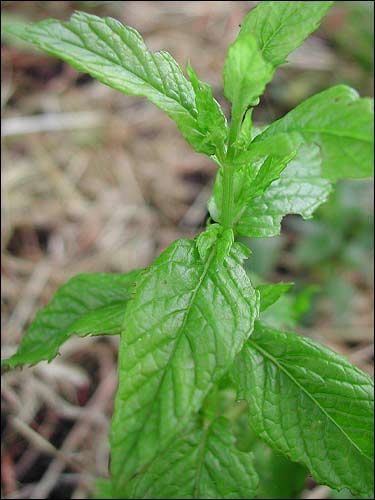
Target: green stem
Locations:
point(228, 197)
point(228, 171)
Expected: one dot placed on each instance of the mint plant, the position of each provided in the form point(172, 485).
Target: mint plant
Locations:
point(191, 323)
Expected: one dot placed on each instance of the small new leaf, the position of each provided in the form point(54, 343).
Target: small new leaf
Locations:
point(211, 119)
point(280, 27)
point(246, 73)
point(299, 190)
point(270, 293)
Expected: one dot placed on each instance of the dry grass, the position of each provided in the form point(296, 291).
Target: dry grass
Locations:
point(95, 181)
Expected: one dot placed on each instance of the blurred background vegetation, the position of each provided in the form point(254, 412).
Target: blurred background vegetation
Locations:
point(96, 181)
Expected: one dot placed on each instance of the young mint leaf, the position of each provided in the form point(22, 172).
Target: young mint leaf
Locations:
point(218, 237)
point(87, 304)
point(270, 293)
point(280, 27)
point(341, 123)
point(311, 405)
point(269, 171)
point(117, 56)
point(249, 181)
point(224, 245)
point(278, 145)
point(211, 119)
point(246, 73)
point(207, 239)
point(299, 190)
point(183, 328)
point(278, 476)
point(203, 463)
point(245, 133)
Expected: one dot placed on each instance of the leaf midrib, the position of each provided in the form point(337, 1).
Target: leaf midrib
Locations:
point(178, 339)
point(107, 59)
point(307, 393)
point(201, 458)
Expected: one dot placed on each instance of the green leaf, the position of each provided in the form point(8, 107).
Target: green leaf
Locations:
point(249, 181)
point(87, 304)
point(299, 190)
point(218, 237)
point(224, 244)
point(311, 405)
point(211, 119)
point(246, 74)
point(207, 239)
point(280, 27)
point(103, 489)
point(183, 329)
point(245, 133)
point(278, 145)
point(341, 123)
point(278, 476)
point(289, 309)
point(269, 294)
point(203, 463)
point(117, 56)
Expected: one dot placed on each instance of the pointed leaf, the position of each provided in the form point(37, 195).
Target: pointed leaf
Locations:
point(311, 405)
point(341, 123)
point(202, 463)
point(249, 182)
point(270, 293)
point(246, 73)
point(280, 27)
point(211, 119)
point(299, 190)
point(117, 56)
point(278, 145)
point(87, 304)
point(183, 329)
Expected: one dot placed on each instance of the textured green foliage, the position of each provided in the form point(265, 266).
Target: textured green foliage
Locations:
point(87, 304)
point(299, 190)
point(165, 368)
point(246, 74)
point(211, 119)
point(265, 192)
point(310, 404)
point(341, 123)
point(278, 145)
point(280, 27)
point(202, 463)
point(269, 294)
point(186, 323)
point(117, 56)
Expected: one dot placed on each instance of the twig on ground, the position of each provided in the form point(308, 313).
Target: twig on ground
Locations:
point(49, 122)
point(98, 402)
point(27, 303)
